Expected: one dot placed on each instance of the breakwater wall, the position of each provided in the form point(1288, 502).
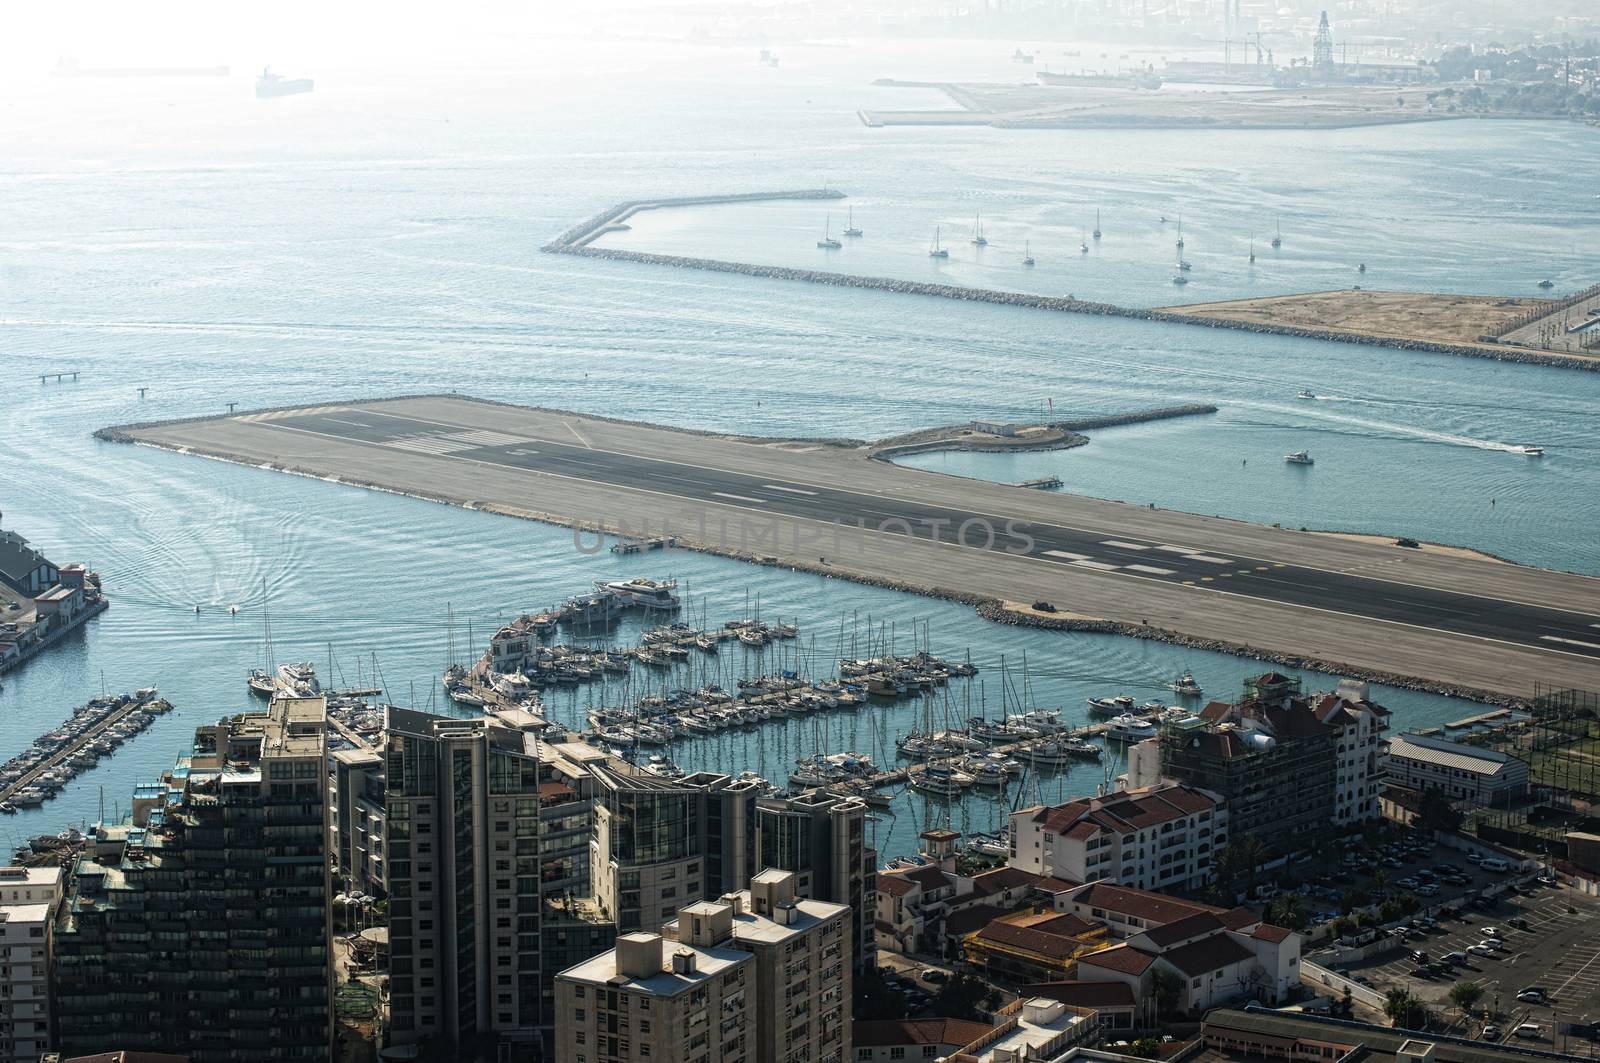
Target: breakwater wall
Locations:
point(576, 242)
point(1064, 435)
point(616, 217)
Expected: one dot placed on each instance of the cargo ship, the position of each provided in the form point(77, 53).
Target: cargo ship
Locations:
point(269, 85)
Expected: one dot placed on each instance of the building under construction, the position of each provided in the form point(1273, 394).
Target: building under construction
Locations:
point(1269, 757)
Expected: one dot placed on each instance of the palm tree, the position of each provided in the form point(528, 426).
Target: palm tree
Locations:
point(1288, 911)
point(1380, 883)
point(1253, 852)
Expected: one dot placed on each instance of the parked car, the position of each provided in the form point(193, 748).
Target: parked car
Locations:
point(1480, 950)
point(1420, 955)
point(1494, 943)
point(1455, 957)
point(933, 974)
point(1491, 932)
point(1490, 1032)
point(1427, 889)
point(1527, 1029)
point(1518, 922)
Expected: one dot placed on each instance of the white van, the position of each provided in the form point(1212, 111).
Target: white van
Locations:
point(1494, 863)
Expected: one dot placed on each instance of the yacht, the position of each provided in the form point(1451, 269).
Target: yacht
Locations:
point(850, 227)
point(978, 239)
point(939, 781)
point(936, 251)
point(1051, 754)
point(462, 694)
point(1186, 686)
point(1097, 225)
point(1027, 254)
point(1299, 457)
point(989, 769)
point(1044, 721)
point(649, 593)
point(1180, 236)
point(1252, 250)
point(260, 682)
point(1547, 283)
point(1080, 747)
point(1110, 706)
point(1277, 235)
point(1130, 729)
point(828, 240)
point(1083, 245)
point(1306, 394)
point(1183, 265)
point(1361, 268)
point(1178, 278)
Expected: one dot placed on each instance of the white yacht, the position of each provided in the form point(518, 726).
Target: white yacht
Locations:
point(1130, 729)
point(850, 227)
point(1097, 225)
point(1185, 685)
point(1178, 278)
point(1027, 254)
point(1299, 457)
point(649, 593)
point(1111, 706)
point(978, 239)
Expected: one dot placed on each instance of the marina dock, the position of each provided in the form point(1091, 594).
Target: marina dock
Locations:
point(1432, 620)
point(58, 760)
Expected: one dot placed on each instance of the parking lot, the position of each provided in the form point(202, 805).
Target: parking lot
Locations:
point(1550, 939)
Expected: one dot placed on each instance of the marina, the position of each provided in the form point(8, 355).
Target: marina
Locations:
point(93, 731)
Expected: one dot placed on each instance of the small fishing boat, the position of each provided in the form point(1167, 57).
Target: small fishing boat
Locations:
point(1185, 686)
point(1299, 457)
point(1305, 394)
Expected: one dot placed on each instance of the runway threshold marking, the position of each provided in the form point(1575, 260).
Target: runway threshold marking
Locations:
point(1101, 565)
point(1066, 555)
point(1570, 642)
point(1151, 569)
point(1119, 544)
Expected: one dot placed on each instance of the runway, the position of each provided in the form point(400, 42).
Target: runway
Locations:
point(1447, 618)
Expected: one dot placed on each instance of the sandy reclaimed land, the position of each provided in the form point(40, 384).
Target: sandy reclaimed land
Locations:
point(1424, 316)
point(1424, 547)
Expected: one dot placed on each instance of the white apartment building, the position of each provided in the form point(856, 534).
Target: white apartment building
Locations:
point(1357, 774)
point(28, 901)
point(1162, 837)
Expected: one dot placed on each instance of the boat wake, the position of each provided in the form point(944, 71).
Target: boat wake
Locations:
point(1427, 434)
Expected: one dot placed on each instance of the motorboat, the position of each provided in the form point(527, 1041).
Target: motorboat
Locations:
point(462, 694)
point(1051, 754)
point(1114, 706)
point(1185, 685)
point(1081, 748)
point(645, 593)
point(1044, 721)
point(940, 781)
point(989, 769)
point(1531, 451)
point(1178, 278)
point(1130, 729)
point(1299, 457)
point(1306, 394)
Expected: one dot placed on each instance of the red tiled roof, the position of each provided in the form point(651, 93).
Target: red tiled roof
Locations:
point(1003, 878)
point(1123, 811)
point(1190, 926)
point(929, 878)
point(884, 1033)
point(1239, 918)
point(1084, 994)
point(1142, 904)
point(898, 885)
point(1056, 923)
point(1123, 958)
point(966, 920)
point(1268, 932)
point(1207, 954)
point(1216, 711)
point(1029, 939)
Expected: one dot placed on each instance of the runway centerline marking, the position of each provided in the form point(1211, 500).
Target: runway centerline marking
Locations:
point(1570, 642)
point(739, 498)
point(788, 490)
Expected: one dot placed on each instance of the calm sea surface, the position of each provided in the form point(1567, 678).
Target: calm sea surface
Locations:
point(380, 236)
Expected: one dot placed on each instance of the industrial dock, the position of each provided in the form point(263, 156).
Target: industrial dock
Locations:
point(1456, 622)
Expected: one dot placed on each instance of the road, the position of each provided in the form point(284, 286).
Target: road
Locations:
point(1452, 618)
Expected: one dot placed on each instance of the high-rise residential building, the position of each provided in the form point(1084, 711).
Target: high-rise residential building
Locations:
point(632, 1004)
point(355, 822)
point(759, 976)
point(821, 837)
point(1274, 761)
point(202, 924)
point(29, 897)
point(804, 965)
point(462, 853)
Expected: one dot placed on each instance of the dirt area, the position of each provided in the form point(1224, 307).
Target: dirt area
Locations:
point(1032, 106)
point(1425, 316)
point(1026, 609)
point(1426, 548)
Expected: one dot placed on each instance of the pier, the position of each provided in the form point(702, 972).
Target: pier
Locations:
point(1044, 483)
point(79, 744)
point(1436, 621)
